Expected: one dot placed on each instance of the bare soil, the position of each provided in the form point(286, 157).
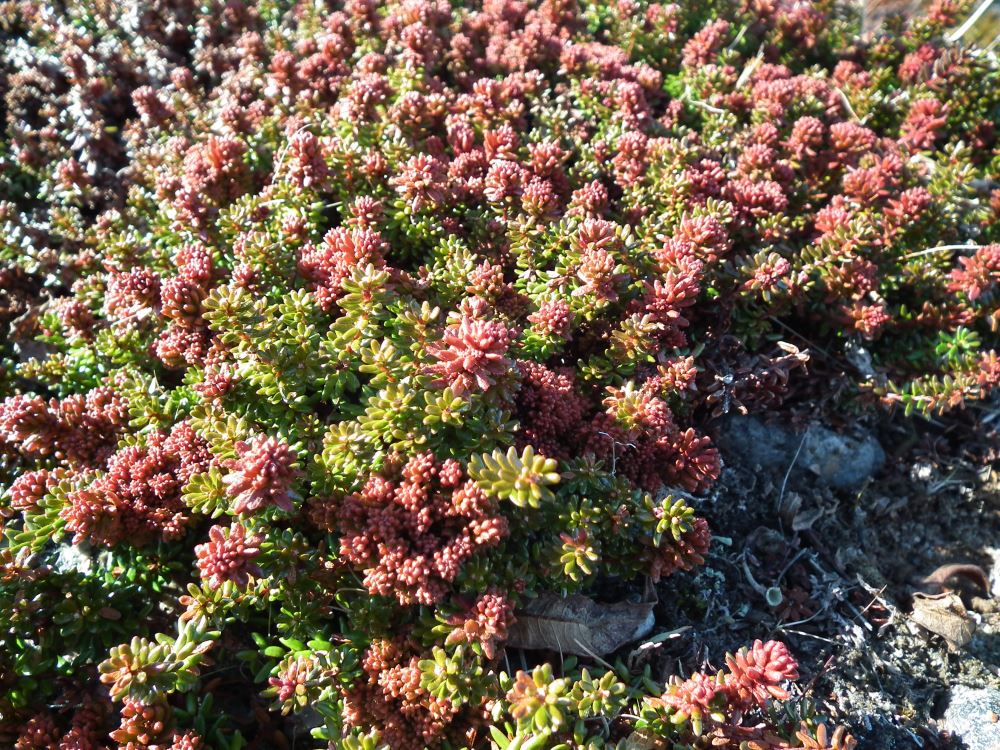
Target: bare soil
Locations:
point(833, 574)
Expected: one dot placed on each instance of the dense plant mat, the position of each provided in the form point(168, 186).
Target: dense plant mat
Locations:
point(340, 335)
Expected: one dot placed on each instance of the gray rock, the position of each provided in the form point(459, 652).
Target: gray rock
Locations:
point(303, 722)
point(842, 461)
point(71, 558)
point(973, 716)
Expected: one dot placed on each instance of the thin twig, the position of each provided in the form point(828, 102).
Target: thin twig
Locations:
point(938, 249)
point(804, 634)
point(827, 663)
point(969, 22)
point(784, 482)
point(749, 576)
point(594, 656)
point(789, 565)
point(739, 36)
point(847, 104)
point(706, 105)
point(275, 169)
point(810, 618)
point(751, 66)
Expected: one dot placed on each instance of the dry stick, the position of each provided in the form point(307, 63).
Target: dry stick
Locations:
point(938, 249)
point(284, 150)
point(789, 565)
point(739, 37)
point(749, 576)
point(784, 482)
point(810, 618)
point(751, 66)
point(822, 671)
point(592, 655)
point(877, 598)
point(970, 22)
point(847, 104)
point(705, 105)
point(804, 634)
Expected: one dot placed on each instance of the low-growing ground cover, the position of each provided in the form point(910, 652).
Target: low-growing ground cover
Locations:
point(342, 336)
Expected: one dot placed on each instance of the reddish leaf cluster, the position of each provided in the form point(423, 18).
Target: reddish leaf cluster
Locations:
point(261, 475)
point(410, 530)
point(979, 273)
point(80, 430)
point(754, 678)
point(389, 698)
point(28, 489)
point(484, 622)
point(649, 448)
point(635, 432)
point(472, 353)
point(87, 729)
point(138, 497)
point(685, 553)
point(755, 674)
point(343, 249)
point(213, 175)
point(150, 727)
point(228, 556)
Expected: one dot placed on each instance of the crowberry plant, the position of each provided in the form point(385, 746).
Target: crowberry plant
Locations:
point(340, 334)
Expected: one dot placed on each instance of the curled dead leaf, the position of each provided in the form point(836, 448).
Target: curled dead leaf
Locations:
point(950, 577)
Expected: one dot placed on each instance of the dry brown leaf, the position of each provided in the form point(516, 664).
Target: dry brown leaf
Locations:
point(944, 615)
point(579, 625)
